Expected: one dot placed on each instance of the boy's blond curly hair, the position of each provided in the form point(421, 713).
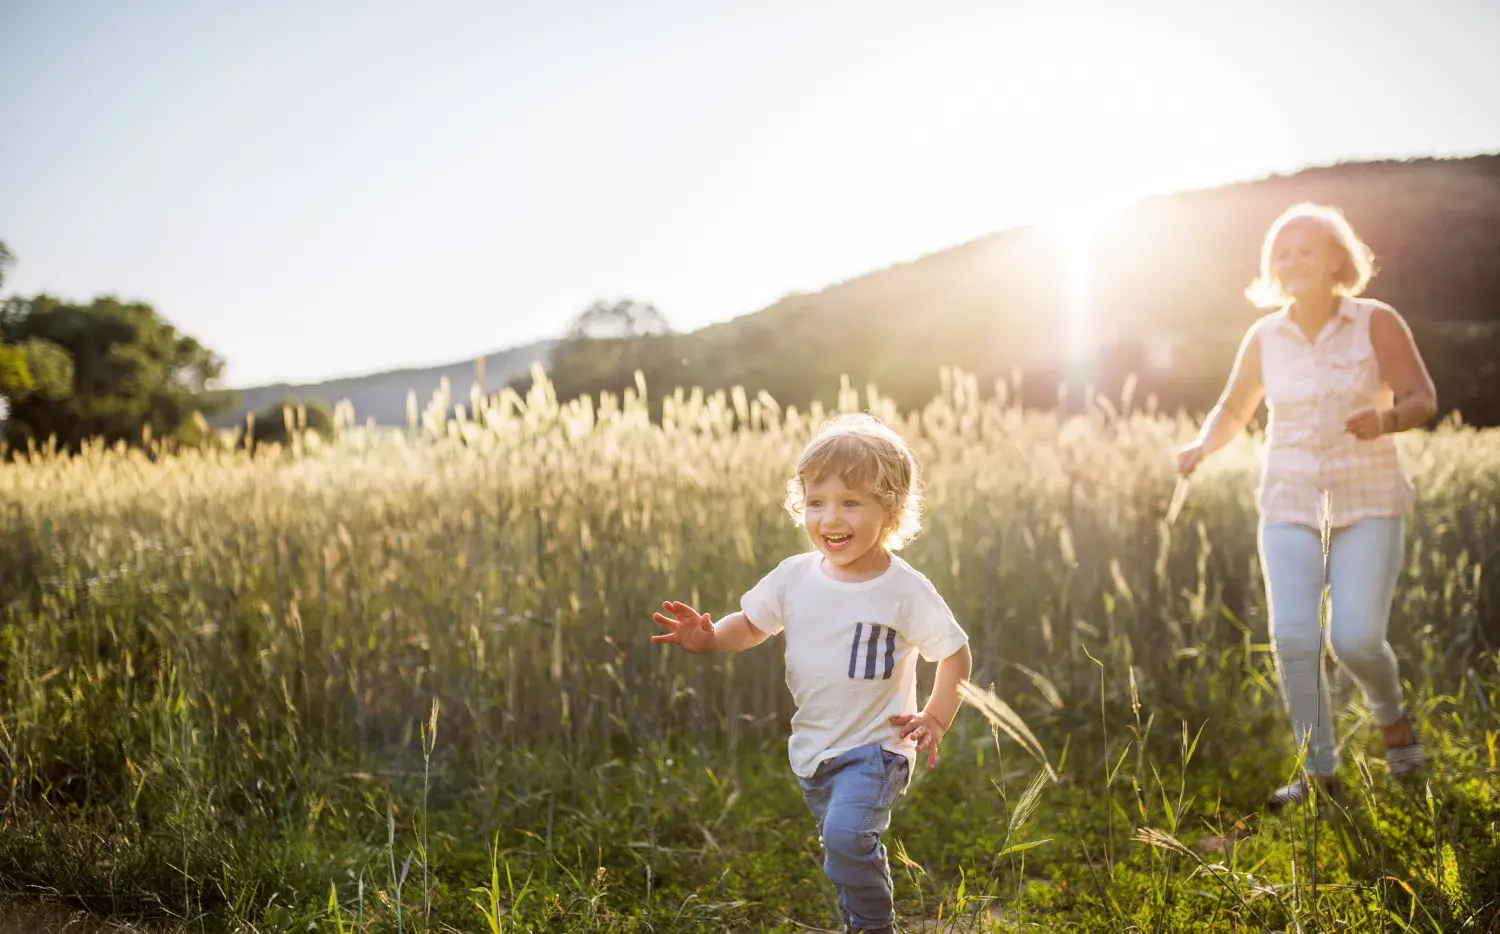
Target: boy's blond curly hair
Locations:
point(867, 455)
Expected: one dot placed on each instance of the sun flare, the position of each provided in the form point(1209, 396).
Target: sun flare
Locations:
point(1076, 230)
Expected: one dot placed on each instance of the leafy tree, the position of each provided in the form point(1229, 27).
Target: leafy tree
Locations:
point(7, 259)
point(108, 369)
point(606, 343)
point(34, 367)
point(15, 376)
point(622, 319)
point(49, 367)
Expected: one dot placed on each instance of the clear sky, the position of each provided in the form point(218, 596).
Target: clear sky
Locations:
point(336, 187)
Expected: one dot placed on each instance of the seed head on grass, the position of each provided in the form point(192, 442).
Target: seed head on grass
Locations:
point(999, 713)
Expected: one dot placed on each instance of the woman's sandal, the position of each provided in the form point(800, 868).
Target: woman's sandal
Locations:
point(1405, 761)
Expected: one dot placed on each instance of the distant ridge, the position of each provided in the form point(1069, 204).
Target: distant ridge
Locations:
point(382, 396)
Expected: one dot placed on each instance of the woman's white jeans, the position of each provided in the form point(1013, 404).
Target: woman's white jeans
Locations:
point(1363, 564)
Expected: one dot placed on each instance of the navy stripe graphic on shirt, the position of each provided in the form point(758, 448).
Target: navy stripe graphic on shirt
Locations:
point(854, 649)
point(872, 651)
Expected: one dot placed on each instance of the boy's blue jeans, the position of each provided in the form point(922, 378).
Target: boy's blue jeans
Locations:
point(850, 797)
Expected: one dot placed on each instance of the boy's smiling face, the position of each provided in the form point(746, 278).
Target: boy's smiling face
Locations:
point(847, 526)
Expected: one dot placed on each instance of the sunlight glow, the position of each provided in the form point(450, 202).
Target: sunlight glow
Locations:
point(1076, 230)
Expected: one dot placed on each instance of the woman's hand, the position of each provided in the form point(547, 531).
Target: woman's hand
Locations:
point(1190, 457)
point(1366, 424)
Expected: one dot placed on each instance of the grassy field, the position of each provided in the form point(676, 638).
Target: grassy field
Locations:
point(404, 683)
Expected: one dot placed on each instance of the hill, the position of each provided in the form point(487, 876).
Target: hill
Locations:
point(382, 396)
point(1167, 284)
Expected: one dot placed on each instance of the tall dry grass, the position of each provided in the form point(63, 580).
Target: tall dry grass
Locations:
point(200, 642)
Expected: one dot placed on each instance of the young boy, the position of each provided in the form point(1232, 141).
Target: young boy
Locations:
point(856, 617)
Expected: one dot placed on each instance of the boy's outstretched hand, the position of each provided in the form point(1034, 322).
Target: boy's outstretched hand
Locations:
point(924, 729)
point(688, 628)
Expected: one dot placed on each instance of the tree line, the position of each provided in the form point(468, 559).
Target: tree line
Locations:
point(115, 371)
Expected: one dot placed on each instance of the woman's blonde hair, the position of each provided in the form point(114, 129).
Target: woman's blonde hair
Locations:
point(1353, 274)
point(867, 455)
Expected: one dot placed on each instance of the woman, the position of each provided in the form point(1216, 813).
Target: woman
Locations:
point(1340, 375)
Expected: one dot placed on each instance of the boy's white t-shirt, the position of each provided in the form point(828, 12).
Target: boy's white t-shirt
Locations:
point(851, 652)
